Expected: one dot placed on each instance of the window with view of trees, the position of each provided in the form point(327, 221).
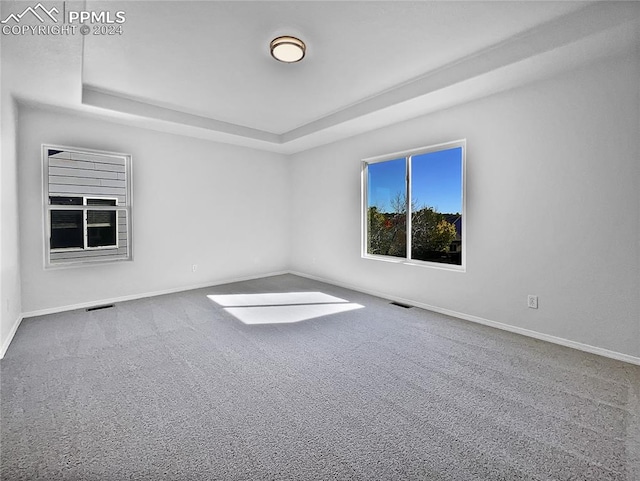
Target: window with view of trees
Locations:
point(414, 205)
point(87, 208)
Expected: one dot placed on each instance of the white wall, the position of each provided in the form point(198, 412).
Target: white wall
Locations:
point(30, 69)
point(553, 208)
point(10, 297)
point(194, 202)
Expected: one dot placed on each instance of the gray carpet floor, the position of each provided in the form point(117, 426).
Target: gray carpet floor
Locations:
point(178, 388)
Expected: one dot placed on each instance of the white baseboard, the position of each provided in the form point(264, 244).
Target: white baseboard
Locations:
point(479, 320)
point(12, 332)
point(142, 295)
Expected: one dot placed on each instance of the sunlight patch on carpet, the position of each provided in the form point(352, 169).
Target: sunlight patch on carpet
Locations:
point(282, 307)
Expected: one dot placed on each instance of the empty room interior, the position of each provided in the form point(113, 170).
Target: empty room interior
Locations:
point(303, 240)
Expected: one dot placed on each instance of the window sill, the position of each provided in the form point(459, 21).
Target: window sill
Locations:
point(416, 263)
point(86, 263)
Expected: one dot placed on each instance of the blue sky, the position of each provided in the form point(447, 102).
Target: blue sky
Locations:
point(436, 181)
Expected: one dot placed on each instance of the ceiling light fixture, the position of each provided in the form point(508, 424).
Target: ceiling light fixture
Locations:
point(288, 49)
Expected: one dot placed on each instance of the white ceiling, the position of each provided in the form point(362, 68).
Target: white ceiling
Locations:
point(212, 58)
point(203, 68)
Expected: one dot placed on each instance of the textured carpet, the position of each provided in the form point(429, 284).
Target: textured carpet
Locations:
point(178, 388)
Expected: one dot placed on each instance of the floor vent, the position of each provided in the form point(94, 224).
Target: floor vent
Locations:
point(96, 308)
point(400, 304)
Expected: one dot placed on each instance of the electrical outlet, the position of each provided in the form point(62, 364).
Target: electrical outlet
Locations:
point(194, 267)
point(532, 302)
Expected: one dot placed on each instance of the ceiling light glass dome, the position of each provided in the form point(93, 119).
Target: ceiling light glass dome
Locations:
point(288, 49)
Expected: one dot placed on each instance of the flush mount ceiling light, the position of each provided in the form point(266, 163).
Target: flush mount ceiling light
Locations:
point(288, 49)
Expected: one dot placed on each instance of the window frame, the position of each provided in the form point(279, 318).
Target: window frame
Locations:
point(408, 155)
point(127, 208)
point(85, 208)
